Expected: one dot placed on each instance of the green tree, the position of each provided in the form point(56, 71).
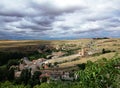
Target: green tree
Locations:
point(97, 75)
point(12, 62)
point(81, 66)
point(25, 76)
point(11, 74)
point(35, 78)
point(3, 73)
point(103, 51)
point(55, 63)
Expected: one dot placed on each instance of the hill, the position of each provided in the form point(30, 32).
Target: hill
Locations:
point(11, 45)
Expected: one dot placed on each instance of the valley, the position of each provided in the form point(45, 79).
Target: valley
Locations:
point(56, 60)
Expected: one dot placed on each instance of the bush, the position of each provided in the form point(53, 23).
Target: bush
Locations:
point(96, 75)
point(8, 84)
point(82, 66)
point(43, 85)
point(106, 51)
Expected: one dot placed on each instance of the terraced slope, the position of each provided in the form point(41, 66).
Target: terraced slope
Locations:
point(85, 59)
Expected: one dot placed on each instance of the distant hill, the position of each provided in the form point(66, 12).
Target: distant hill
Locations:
point(32, 45)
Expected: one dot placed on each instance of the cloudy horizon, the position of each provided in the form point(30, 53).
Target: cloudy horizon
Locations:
point(59, 19)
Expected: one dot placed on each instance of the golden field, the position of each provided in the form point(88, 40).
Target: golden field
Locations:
point(111, 44)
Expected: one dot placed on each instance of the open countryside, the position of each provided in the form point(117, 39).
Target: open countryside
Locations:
point(60, 44)
point(57, 60)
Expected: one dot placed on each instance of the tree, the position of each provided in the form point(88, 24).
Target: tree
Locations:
point(81, 66)
point(44, 79)
point(25, 76)
point(55, 63)
point(96, 75)
point(3, 73)
point(11, 74)
point(103, 51)
point(12, 62)
point(35, 78)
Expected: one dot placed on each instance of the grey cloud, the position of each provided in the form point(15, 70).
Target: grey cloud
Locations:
point(11, 13)
point(29, 18)
point(97, 19)
point(20, 32)
point(5, 35)
point(88, 31)
point(33, 26)
point(64, 27)
point(43, 20)
point(9, 19)
point(51, 10)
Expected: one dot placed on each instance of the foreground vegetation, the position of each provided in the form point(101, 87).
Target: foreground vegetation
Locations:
point(104, 73)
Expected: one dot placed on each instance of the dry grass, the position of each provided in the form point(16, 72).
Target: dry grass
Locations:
point(6, 44)
point(16, 43)
point(9, 43)
point(62, 59)
point(85, 59)
point(110, 44)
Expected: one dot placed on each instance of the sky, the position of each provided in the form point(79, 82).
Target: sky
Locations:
point(59, 19)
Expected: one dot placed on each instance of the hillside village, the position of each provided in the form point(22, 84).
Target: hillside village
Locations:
point(50, 67)
point(57, 61)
